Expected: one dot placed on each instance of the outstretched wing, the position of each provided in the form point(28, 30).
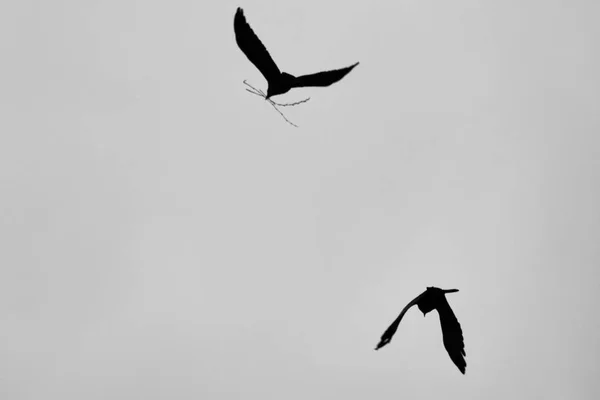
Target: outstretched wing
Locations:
point(389, 332)
point(324, 78)
point(253, 48)
point(453, 336)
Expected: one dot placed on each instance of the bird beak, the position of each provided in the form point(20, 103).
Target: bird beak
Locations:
point(450, 290)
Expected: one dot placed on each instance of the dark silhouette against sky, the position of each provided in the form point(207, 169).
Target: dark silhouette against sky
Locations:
point(435, 299)
point(279, 82)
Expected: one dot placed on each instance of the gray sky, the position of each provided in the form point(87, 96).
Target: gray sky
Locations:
point(166, 235)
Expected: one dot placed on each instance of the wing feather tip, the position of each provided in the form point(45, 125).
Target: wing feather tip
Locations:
point(382, 343)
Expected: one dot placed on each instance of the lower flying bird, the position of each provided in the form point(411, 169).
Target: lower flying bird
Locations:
point(279, 82)
point(435, 299)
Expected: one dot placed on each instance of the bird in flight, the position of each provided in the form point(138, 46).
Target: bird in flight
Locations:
point(435, 299)
point(278, 82)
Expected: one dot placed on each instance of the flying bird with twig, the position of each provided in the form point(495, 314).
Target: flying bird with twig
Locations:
point(278, 82)
point(435, 299)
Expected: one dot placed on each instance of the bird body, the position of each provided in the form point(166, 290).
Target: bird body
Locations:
point(281, 85)
point(279, 82)
point(435, 299)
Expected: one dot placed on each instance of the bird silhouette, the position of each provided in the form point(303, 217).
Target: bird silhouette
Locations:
point(435, 299)
point(279, 82)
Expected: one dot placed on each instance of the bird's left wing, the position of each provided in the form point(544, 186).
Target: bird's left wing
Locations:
point(324, 78)
point(253, 48)
point(391, 330)
point(453, 336)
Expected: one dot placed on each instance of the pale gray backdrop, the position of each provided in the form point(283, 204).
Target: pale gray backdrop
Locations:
point(166, 235)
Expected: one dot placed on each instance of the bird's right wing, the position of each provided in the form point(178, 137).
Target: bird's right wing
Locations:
point(389, 332)
point(324, 78)
point(452, 335)
point(253, 48)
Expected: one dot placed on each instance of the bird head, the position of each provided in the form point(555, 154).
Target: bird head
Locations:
point(431, 299)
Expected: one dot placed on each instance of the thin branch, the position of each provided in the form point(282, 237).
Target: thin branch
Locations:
point(280, 113)
point(260, 93)
point(256, 91)
point(291, 104)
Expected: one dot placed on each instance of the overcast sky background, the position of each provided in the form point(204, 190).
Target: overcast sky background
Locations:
point(166, 235)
